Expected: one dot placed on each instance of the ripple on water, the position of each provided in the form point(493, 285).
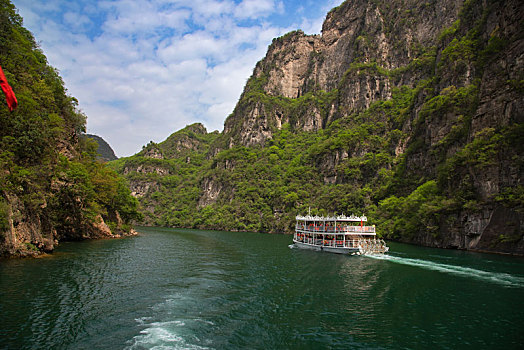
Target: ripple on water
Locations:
point(176, 289)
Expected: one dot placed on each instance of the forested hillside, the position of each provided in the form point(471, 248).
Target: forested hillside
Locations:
point(409, 112)
point(166, 177)
point(51, 186)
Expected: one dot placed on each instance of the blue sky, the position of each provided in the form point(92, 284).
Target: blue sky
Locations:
point(143, 69)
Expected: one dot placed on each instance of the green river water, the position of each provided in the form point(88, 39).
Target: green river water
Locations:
point(190, 289)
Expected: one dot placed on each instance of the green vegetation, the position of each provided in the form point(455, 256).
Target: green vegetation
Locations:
point(410, 161)
point(46, 171)
point(4, 218)
point(403, 217)
point(263, 188)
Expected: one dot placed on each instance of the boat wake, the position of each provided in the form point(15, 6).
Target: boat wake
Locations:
point(162, 335)
point(504, 279)
point(165, 330)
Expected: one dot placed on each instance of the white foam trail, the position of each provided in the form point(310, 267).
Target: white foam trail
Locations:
point(495, 277)
point(161, 336)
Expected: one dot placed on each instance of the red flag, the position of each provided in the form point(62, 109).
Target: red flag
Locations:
point(10, 97)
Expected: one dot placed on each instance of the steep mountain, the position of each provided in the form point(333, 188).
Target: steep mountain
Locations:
point(51, 186)
point(104, 151)
point(408, 111)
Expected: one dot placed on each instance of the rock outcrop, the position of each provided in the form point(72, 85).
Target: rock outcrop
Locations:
point(360, 41)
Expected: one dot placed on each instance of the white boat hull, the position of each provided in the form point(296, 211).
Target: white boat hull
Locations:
point(337, 250)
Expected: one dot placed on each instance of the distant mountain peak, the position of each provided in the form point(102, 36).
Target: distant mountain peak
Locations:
point(105, 152)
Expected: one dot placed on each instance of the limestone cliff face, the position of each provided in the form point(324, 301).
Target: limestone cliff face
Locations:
point(25, 234)
point(464, 61)
point(140, 188)
point(387, 34)
point(497, 105)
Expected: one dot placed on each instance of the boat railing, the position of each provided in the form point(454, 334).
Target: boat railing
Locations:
point(348, 243)
point(336, 229)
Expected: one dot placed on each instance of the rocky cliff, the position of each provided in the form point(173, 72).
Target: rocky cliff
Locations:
point(408, 111)
point(361, 42)
point(52, 188)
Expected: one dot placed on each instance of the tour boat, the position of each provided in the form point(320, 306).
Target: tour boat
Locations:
point(337, 234)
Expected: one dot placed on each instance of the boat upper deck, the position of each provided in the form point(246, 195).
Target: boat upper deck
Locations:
point(341, 218)
point(338, 229)
point(334, 224)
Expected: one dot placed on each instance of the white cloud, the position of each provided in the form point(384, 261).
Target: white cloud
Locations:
point(142, 69)
point(76, 21)
point(254, 8)
point(139, 17)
